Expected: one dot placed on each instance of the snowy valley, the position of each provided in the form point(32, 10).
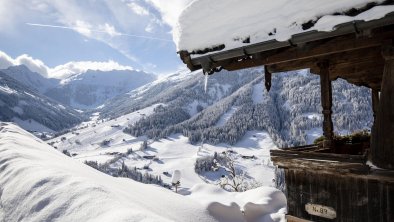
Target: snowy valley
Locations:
point(142, 137)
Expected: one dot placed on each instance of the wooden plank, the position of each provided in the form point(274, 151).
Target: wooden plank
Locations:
point(313, 50)
point(382, 146)
point(290, 218)
point(353, 197)
point(327, 167)
point(321, 159)
point(322, 156)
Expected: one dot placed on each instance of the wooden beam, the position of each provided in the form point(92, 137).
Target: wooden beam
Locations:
point(319, 49)
point(341, 65)
point(364, 74)
point(313, 50)
point(382, 147)
point(290, 218)
point(375, 102)
point(267, 79)
point(318, 156)
point(316, 165)
point(375, 108)
point(326, 101)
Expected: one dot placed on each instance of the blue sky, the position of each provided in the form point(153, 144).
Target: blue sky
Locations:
point(128, 33)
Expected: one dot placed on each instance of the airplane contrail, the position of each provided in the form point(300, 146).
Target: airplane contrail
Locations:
point(99, 31)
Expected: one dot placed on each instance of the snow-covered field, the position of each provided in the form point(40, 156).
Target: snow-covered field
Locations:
point(38, 183)
point(172, 153)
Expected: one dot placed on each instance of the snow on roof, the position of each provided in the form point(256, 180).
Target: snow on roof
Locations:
point(38, 183)
point(207, 24)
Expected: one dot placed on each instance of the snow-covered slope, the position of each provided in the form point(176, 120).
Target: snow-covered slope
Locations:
point(92, 88)
point(206, 24)
point(31, 79)
point(32, 110)
point(181, 90)
point(237, 102)
point(38, 183)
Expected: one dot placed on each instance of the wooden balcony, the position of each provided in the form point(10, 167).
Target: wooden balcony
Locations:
point(337, 178)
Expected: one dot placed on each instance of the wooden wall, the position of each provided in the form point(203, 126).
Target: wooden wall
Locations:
point(355, 198)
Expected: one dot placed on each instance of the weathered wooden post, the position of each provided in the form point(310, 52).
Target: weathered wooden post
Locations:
point(375, 102)
point(267, 78)
point(382, 147)
point(375, 107)
point(326, 101)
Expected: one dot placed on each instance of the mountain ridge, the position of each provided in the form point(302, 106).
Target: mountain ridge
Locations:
point(86, 90)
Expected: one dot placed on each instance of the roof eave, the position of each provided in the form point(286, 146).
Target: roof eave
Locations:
point(212, 61)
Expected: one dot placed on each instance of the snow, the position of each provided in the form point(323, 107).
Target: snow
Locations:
point(313, 134)
point(258, 93)
point(31, 125)
point(226, 116)
point(174, 152)
point(7, 90)
point(261, 204)
point(38, 183)
point(206, 24)
point(18, 110)
point(192, 107)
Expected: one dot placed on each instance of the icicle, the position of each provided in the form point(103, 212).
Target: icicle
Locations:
point(206, 83)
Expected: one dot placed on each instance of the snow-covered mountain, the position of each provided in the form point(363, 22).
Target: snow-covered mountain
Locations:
point(83, 90)
point(31, 110)
point(92, 88)
point(32, 79)
point(236, 102)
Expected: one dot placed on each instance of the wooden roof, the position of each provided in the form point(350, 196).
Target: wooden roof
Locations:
point(353, 51)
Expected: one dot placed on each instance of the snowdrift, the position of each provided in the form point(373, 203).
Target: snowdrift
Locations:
point(206, 24)
point(260, 204)
point(38, 183)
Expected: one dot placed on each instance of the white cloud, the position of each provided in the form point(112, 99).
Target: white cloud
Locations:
point(149, 28)
point(127, 26)
point(138, 9)
point(72, 68)
point(170, 11)
point(5, 61)
point(83, 28)
point(61, 71)
point(34, 65)
point(109, 29)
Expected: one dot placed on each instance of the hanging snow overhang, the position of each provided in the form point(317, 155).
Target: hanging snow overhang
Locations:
point(353, 49)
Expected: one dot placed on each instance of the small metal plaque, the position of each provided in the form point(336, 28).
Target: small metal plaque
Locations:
point(321, 211)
